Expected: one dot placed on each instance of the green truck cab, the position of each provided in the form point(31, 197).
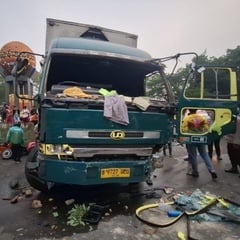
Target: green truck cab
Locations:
point(97, 124)
point(82, 82)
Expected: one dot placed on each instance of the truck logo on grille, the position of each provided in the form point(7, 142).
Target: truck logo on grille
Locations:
point(117, 135)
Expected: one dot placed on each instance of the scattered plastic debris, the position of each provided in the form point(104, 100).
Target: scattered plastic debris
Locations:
point(55, 214)
point(36, 204)
point(69, 201)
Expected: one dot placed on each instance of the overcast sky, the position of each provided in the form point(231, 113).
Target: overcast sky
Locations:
point(164, 27)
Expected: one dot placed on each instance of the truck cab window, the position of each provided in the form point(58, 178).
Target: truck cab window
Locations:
point(193, 86)
point(155, 87)
point(212, 83)
point(216, 83)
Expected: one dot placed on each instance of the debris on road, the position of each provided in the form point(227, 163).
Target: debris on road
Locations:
point(28, 192)
point(36, 204)
point(69, 201)
point(14, 199)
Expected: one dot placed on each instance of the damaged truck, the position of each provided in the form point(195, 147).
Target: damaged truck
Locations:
point(97, 124)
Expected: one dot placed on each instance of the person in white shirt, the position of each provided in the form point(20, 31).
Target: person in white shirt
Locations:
point(25, 115)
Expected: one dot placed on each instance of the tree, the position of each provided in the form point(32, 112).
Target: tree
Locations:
point(2, 90)
point(231, 58)
point(154, 86)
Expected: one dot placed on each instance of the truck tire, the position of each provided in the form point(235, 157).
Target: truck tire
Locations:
point(7, 154)
point(32, 174)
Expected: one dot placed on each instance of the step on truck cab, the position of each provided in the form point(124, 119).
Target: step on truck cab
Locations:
point(96, 123)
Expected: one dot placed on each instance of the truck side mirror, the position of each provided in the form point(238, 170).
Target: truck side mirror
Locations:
point(197, 68)
point(201, 69)
point(20, 66)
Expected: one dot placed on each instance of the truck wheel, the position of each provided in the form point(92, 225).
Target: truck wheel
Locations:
point(134, 187)
point(32, 173)
point(7, 154)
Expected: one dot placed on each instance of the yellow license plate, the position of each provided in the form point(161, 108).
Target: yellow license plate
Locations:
point(115, 172)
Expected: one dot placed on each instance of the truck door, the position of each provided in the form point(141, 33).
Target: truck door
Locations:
point(207, 107)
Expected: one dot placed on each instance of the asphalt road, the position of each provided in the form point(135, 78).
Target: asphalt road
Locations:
point(21, 221)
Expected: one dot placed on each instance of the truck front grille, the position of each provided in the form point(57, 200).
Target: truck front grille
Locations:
point(79, 134)
point(107, 134)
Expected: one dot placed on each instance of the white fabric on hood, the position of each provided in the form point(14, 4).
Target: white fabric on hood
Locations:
point(115, 109)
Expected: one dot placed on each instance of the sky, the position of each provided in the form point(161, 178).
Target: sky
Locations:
point(164, 27)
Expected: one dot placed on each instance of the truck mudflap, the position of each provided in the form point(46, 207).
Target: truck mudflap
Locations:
point(93, 173)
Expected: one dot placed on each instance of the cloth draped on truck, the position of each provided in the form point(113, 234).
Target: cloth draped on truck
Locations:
point(115, 108)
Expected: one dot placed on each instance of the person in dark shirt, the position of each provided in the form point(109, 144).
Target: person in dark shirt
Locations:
point(216, 144)
point(4, 112)
point(233, 149)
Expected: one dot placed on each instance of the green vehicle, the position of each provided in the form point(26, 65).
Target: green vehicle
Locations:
point(96, 123)
point(85, 85)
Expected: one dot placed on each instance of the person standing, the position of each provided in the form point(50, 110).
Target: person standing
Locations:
point(34, 116)
point(9, 115)
point(195, 123)
point(233, 149)
point(15, 136)
point(25, 115)
point(4, 112)
point(169, 146)
point(16, 117)
point(192, 153)
point(216, 144)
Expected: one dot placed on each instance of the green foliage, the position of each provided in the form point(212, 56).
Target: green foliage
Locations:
point(233, 56)
point(177, 80)
point(2, 90)
point(75, 215)
point(153, 86)
point(36, 78)
point(2, 93)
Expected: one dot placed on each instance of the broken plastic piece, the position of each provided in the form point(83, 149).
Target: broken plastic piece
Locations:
point(181, 236)
point(173, 213)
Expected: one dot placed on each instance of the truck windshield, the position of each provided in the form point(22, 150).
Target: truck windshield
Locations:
point(125, 76)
